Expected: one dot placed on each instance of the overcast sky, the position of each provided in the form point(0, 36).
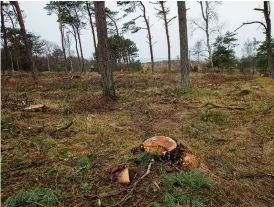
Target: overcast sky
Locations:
point(231, 14)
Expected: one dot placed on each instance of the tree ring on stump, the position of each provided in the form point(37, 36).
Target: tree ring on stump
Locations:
point(159, 144)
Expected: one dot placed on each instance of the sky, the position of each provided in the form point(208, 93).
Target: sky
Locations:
point(231, 15)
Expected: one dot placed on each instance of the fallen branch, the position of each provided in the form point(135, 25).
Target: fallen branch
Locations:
point(225, 107)
point(63, 128)
point(133, 186)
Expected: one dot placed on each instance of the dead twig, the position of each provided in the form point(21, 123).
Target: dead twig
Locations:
point(133, 186)
point(225, 107)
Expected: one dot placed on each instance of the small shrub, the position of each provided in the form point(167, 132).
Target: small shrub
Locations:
point(83, 163)
point(37, 197)
point(86, 187)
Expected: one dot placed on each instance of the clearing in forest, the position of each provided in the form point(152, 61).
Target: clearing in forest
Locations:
point(68, 149)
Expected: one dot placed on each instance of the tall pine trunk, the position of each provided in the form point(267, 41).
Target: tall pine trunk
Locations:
point(103, 53)
point(22, 26)
point(76, 46)
point(81, 50)
point(62, 39)
point(268, 39)
point(7, 55)
point(91, 25)
point(149, 36)
point(185, 82)
point(167, 35)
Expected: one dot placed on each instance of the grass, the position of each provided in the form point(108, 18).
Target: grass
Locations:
point(185, 188)
point(189, 180)
point(216, 117)
point(233, 143)
point(36, 197)
point(141, 158)
point(83, 163)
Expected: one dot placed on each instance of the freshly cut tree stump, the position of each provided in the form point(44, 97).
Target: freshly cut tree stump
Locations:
point(159, 145)
point(33, 108)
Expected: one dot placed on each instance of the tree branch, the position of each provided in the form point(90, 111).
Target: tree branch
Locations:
point(171, 19)
point(198, 25)
point(137, 18)
point(255, 22)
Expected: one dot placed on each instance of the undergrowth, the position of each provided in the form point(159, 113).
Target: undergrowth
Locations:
point(185, 188)
point(36, 197)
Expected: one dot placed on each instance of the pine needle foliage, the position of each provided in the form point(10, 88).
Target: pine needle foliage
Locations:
point(37, 197)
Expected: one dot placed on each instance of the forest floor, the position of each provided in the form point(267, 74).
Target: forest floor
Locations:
point(227, 119)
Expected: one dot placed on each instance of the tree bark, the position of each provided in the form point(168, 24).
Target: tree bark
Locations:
point(185, 82)
point(103, 53)
point(268, 38)
point(62, 39)
point(8, 57)
point(22, 25)
point(149, 36)
point(167, 35)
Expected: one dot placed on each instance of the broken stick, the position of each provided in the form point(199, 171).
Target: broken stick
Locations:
point(133, 186)
point(63, 128)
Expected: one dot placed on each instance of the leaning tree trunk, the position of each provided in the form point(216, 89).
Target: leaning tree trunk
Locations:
point(91, 25)
point(82, 57)
point(185, 82)
point(76, 46)
point(22, 25)
point(167, 35)
point(149, 36)
point(62, 39)
point(268, 39)
point(103, 53)
point(8, 57)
